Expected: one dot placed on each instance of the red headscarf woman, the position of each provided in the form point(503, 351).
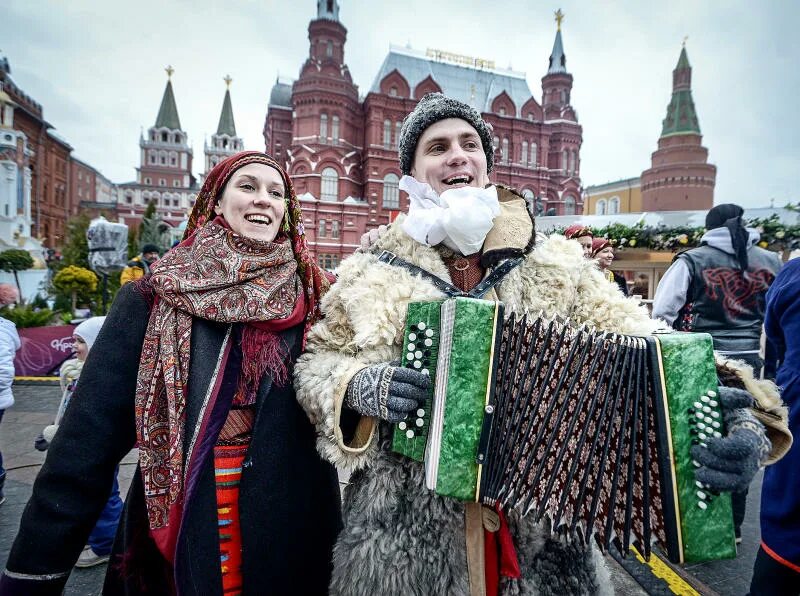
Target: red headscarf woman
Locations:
point(584, 237)
point(603, 254)
point(230, 493)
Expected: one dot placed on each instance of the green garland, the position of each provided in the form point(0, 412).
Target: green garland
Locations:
point(775, 235)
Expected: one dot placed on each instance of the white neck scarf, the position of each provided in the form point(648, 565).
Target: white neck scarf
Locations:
point(460, 217)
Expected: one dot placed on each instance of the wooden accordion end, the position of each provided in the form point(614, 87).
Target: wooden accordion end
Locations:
point(587, 429)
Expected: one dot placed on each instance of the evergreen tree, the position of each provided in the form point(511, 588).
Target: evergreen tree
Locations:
point(153, 229)
point(76, 247)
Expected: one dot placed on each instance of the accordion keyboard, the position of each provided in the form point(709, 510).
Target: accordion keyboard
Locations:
point(420, 353)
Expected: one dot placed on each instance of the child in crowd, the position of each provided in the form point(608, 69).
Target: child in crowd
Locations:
point(101, 539)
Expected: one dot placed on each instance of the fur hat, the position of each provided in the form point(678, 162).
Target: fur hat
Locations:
point(432, 108)
point(149, 248)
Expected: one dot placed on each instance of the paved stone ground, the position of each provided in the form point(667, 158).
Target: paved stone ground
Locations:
point(36, 406)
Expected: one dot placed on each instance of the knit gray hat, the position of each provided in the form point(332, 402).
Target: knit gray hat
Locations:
point(432, 108)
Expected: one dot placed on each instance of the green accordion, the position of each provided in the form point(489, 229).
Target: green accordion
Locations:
point(589, 430)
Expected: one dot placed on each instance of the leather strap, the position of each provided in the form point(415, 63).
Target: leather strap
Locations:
point(477, 292)
point(476, 563)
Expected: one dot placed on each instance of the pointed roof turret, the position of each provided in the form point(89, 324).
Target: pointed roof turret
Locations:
point(226, 124)
point(558, 60)
point(681, 115)
point(168, 112)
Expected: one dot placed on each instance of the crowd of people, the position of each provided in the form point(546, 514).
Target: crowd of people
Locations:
point(246, 375)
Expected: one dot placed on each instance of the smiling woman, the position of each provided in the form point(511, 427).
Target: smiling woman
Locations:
point(253, 203)
point(192, 365)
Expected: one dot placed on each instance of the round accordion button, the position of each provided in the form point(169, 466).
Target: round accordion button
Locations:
point(429, 333)
point(402, 426)
point(713, 403)
point(698, 405)
point(420, 412)
point(702, 504)
point(711, 394)
point(419, 422)
point(421, 326)
point(704, 398)
point(701, 495)
point(411, 347)
point(412, 337)
point(417, 354)
point(429, 342)
point(417, 364)
point(410, 434)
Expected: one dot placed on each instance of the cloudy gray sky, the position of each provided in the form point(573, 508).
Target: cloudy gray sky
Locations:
point(97, 68)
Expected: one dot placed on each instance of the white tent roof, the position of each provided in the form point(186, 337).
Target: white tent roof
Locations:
point(695, 219)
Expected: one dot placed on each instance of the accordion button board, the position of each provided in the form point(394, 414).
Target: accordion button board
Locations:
point(591, 431)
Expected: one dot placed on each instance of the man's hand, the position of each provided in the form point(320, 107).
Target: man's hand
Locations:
point(386, 391)
point(729, 463)
point(372, 236)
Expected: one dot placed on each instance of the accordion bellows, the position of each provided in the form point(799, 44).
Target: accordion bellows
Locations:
point(589, 430)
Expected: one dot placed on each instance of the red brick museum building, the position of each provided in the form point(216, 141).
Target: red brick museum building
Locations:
point(340, 146)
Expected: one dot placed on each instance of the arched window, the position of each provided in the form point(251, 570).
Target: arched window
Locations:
point(534, 149)
point(321, 232)
point(613, 205)
point(571, 169)
point(496, 143)
point(523, 158)
point(330, 185)
point(323, 128)
point(397, 127)
point(329, 49)
point(164, 137)
point(564, 160)
point(575, 166)
point(393, 91)
point(335, 229)
point(335, 130)
point(387, 134)
point(569, 206)
point(505, 150)
point(502, 111)
point(601, 207)
point(391, 192)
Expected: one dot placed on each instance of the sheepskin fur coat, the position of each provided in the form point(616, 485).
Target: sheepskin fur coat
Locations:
point(399, 537)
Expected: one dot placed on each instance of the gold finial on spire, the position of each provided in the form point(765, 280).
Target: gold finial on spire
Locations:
point(169, 70)
point(685, 37)
point(559, 18)
point(228, 80)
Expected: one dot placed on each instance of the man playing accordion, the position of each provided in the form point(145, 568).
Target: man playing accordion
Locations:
point(398, 537)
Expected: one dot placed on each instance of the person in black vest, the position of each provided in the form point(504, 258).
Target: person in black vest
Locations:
point(720, 288)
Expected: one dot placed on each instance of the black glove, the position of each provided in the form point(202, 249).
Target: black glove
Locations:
point(729, 463)
point(386, 391)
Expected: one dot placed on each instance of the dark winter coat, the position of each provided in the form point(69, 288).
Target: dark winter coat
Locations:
point(780, 493)
point(289, 498)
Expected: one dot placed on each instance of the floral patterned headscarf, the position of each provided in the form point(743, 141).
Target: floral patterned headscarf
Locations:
point(315, 281)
